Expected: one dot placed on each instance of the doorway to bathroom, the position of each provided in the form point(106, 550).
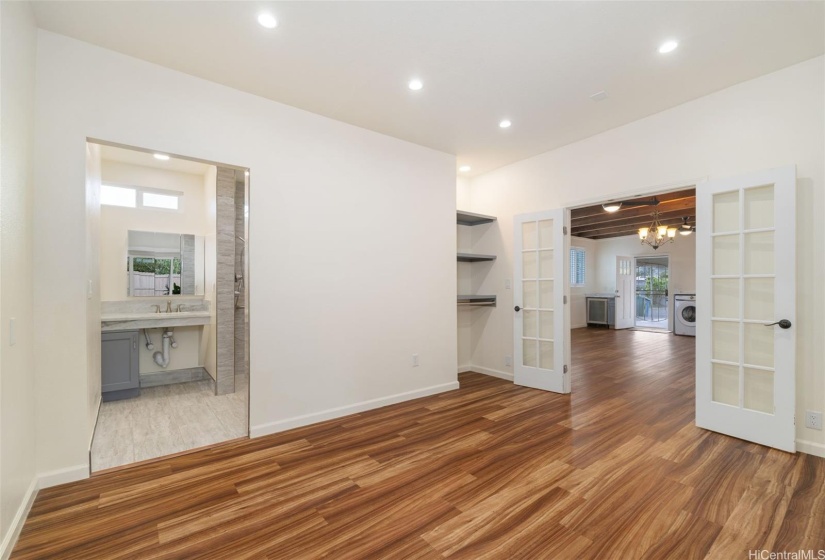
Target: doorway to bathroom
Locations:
point(172, 237)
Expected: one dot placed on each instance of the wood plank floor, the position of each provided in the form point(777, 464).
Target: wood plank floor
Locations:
point(491, 470)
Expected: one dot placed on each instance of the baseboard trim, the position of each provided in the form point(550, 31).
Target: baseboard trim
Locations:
point(465, 369)
point(810, 447)
point(62, 476)
point(10, 538)
point(332, 413)
point(493, 372)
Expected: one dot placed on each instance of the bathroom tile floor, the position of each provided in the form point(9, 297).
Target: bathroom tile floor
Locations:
point(168, 419)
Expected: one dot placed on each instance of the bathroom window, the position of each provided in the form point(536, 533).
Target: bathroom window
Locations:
point(140, 197)
point(111, 195)
point(156, 200)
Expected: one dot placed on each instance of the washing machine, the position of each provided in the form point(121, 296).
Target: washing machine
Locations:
point(684, 314)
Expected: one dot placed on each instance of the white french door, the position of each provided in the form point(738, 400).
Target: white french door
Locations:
point(746, 306)
point(540, 285)
point(625, 289)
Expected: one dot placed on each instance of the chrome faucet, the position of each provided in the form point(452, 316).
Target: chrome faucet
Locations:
point(180, 308)
point(169, 306)
point(157, 308)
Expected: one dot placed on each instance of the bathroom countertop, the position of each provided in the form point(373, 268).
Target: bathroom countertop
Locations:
point(131, 321)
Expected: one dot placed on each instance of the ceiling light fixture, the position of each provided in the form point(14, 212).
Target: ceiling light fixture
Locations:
point(504, 124)
point(612, 206)
point(686, 228)
point(161, 157)
point(464, 168)
point(268, 21)
point(657, 234)
point(415, 85)
point(668, 46)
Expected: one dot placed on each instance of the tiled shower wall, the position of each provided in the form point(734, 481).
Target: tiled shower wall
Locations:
point(231, 318)
point(241, 332)
point(225, 307)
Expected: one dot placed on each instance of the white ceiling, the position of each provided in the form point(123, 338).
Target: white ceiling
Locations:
point(135, 157)
point(535, 63)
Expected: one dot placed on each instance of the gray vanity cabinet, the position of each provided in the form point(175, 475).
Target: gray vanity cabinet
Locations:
point(119, 365)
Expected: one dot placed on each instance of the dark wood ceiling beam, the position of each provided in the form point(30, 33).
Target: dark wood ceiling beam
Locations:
point(637, 221)
point(682, 205)
point(597, 209)
point(624, 230)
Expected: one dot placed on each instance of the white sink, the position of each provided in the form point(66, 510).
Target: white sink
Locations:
point(131, 321)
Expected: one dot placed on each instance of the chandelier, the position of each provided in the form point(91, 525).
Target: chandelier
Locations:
point(656, 234)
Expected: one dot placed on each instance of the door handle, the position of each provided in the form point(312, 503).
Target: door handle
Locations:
point(783, 324)
point(517, 308)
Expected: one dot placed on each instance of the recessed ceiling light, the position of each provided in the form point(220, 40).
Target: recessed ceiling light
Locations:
point(268, 21)
point(612, 206)
point(246, 172)
point(599, 96)
point(668, 46)
point(161, 157)
point(464, 168)
point(504, 124)
point(415, 85)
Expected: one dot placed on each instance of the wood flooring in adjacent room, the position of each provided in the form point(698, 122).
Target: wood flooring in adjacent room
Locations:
point(491, 470)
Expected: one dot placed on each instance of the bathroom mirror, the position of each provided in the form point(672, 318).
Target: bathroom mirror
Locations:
point(165, 264)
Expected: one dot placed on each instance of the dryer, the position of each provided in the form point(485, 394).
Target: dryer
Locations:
point(684, 314)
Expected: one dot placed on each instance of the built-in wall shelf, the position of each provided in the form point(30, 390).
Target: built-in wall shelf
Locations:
point(472, 219)
point(474, 257)
point(475, 300)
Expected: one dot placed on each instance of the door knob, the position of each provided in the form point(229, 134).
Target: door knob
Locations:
point(517, 308)
point(783, 324)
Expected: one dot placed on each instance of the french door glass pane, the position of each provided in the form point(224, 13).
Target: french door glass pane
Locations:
point(759, 207)
point(529, 295)
point(759, 253)
point(530, 265)
point(759, 390)
point(529, 353)
point(759, 299)
point(528, 236)
point(725, 341)
point(726, 299)
point(726, 384)
point(546, 264)
point(546, 354)
point(546, 325)
point(530, 326)
point(546, 294)
point(759, 345)
point(726, 212)
point(546, 234)
point(726, 254)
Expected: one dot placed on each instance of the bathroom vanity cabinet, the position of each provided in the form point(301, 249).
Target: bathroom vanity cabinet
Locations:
point(119, 366)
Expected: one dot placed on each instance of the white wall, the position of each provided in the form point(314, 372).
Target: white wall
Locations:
point(578, 304)
point(767, 122)
point(116, 221)
point(17, 390)
point(351, 253)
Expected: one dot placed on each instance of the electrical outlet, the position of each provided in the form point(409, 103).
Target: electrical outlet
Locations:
point(415, 360)
point(813, 419)
point(508, 361)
